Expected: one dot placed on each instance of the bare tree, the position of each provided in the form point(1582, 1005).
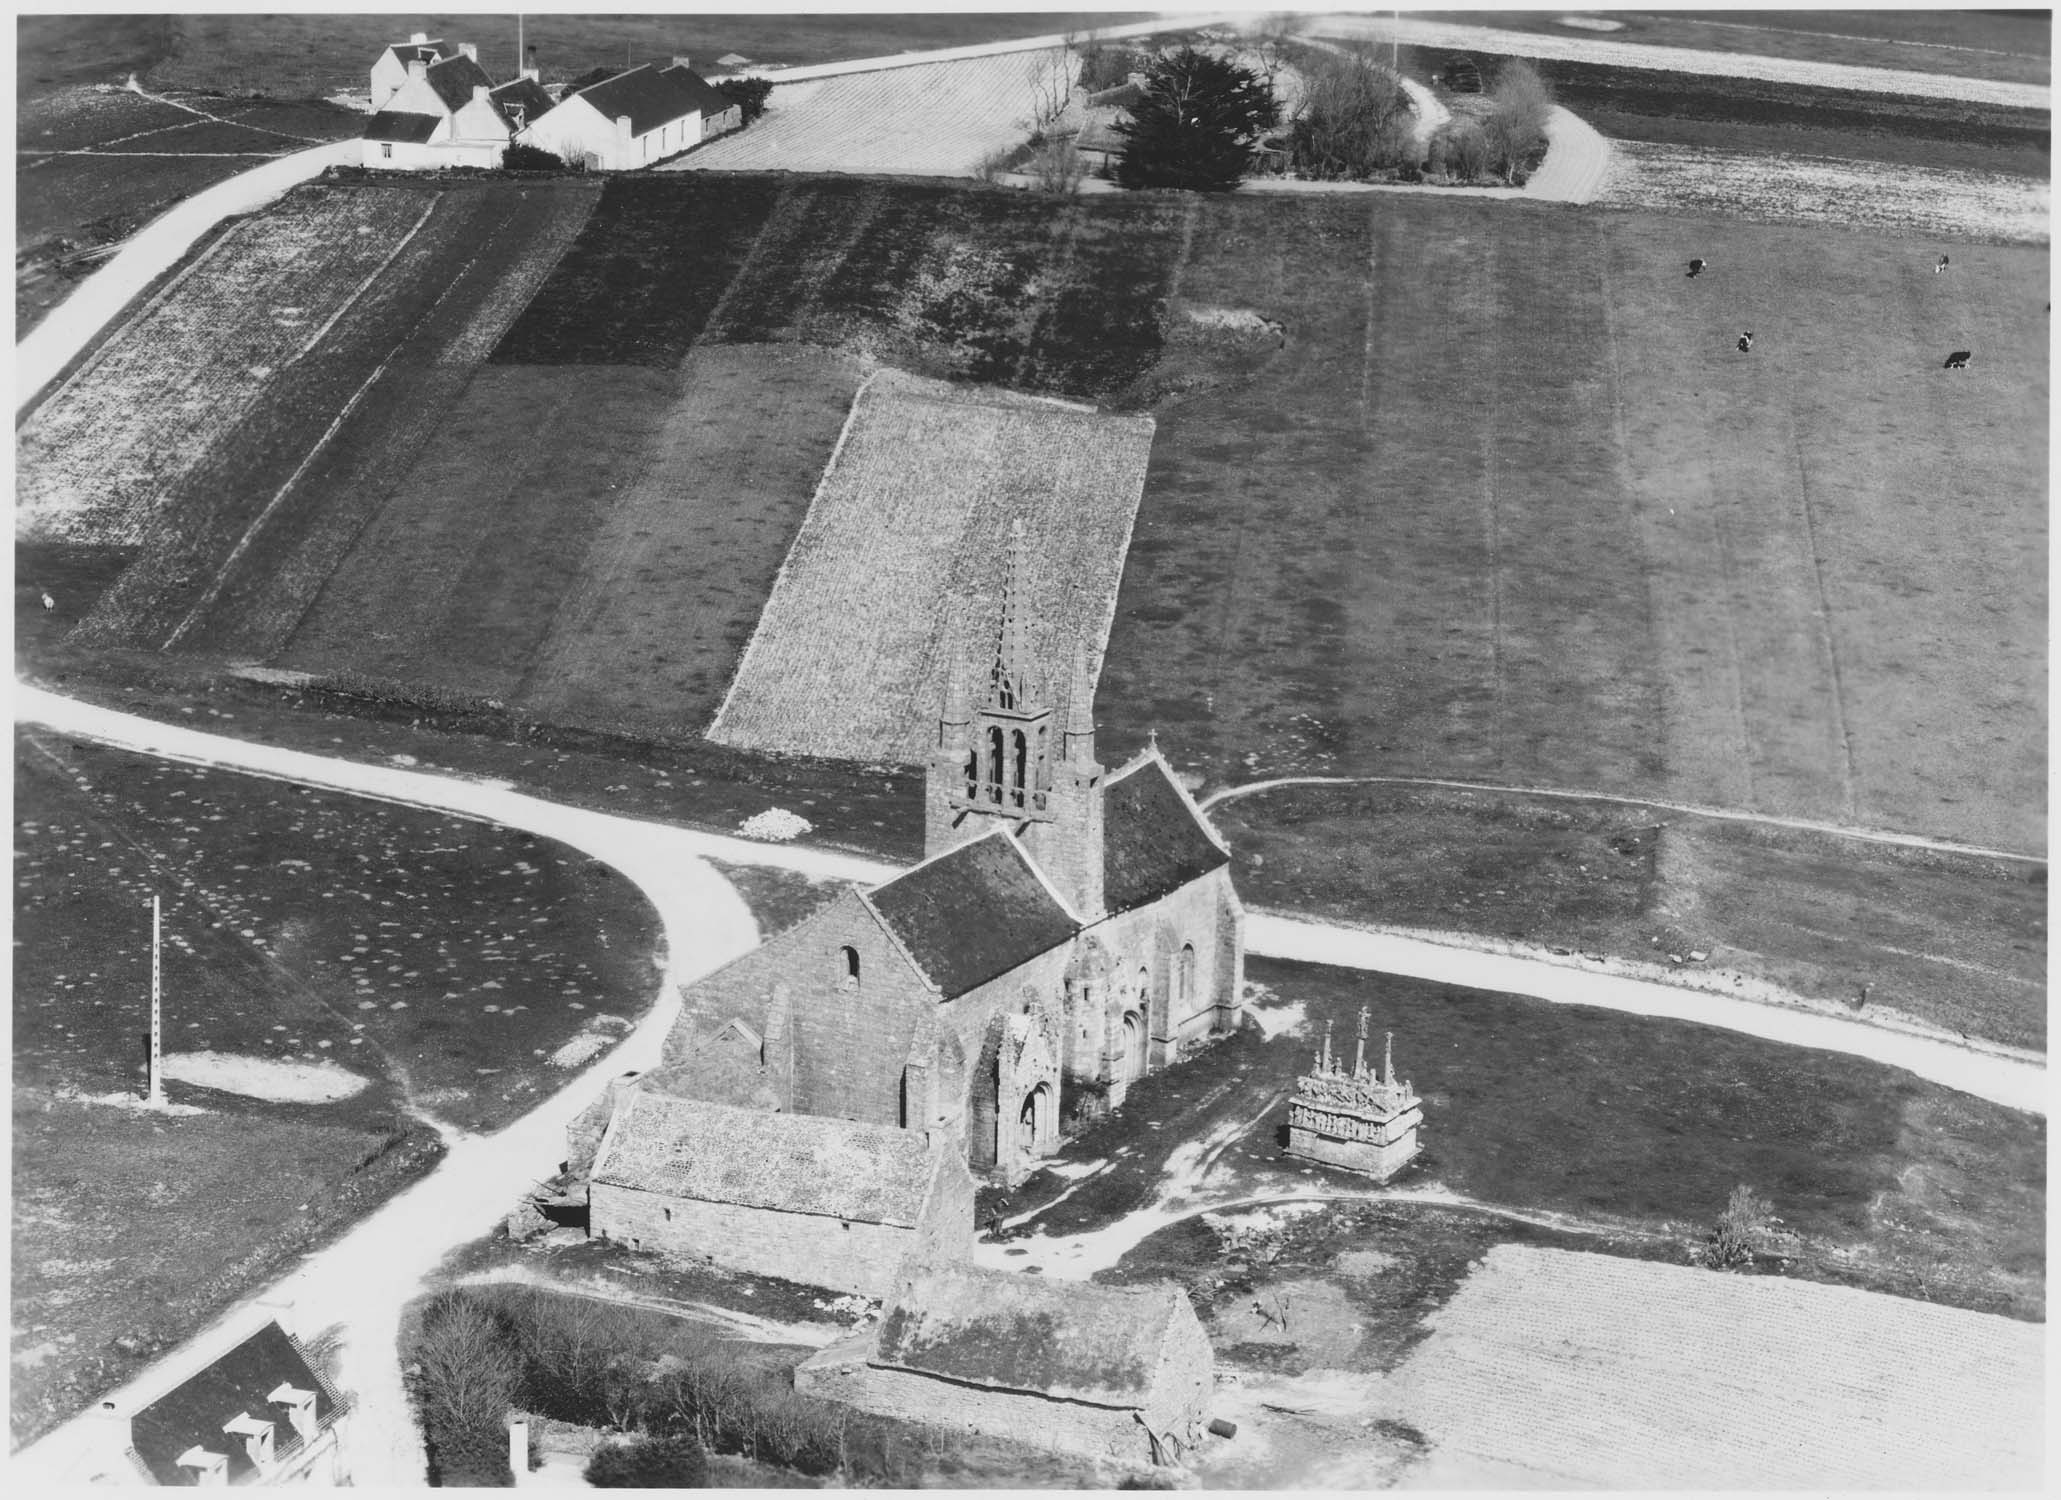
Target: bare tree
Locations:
point(1052, 77)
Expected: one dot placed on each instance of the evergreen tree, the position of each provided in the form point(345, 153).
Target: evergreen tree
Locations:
point(1197, 126)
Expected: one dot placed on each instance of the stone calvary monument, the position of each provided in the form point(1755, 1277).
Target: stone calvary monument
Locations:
point(1364, 1122)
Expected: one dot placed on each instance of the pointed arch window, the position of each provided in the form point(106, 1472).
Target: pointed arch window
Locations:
point(972, 774)
point(847, 968)
point(1185, 972)
point(995, 764)
point(1005, 689)
point(1019, 766)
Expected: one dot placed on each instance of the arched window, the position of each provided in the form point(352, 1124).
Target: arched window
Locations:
point(1020, 768)
point(848, 968)
point(972, 774)
point(1186, 972)
point(995, 764)
point(1005, 690)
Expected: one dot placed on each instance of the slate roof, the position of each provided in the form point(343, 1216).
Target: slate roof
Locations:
point(973, 914)
point(192, 1413)
point(652, 97)
point(455, 78)
point(527, 93)
point(398, 125)
point(1025, 1333)
point(1153, 840)
point(425, 52)
point(804, 1164)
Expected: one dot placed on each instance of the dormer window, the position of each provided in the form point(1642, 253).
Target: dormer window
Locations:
point(255, 1433)
point(300, 1409)
point(202, 1466)
point(848, 968)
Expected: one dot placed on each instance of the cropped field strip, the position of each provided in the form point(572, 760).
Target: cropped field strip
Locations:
point(907, 541)
point(1829, 190)
point(96, 460)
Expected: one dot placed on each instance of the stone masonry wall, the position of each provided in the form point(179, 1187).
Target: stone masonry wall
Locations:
point(1043, 1421)
point(808, 1248)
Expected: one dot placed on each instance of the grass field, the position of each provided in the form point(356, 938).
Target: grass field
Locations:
point(1586, 1370)
point(1954, 940)
point(1628, 1128)
point(441, 958)
point(905, 555)
point(1645, 563)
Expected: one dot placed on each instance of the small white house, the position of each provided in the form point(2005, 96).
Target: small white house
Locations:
point(445, 111)
point(634, 119)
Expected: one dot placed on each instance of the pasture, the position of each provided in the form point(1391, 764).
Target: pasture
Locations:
point(902, 563)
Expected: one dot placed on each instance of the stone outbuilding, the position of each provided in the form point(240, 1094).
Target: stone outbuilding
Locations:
point(1120, 1373)
point(820, 1201)
point(638, 117)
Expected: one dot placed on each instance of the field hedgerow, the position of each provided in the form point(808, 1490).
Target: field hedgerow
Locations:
point(903, 554)
point(97, 457)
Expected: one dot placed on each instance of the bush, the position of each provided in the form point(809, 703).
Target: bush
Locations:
point(521, 157)
point(1515, 127)
point(1355, 118)
point(1742, 1230)
point(467, 1370)
point(670, 1463)
point(1056, 166)
point(1460, 150)
point(1198, 125)
point(748, 94)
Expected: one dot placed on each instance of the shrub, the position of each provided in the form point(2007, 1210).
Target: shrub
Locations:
point(1056, 166)
point(1741, 1230)
point(748, 94)
point(1198, 125)
point(671, 1463)
point(521, 157)
point(1355, 118)
point(1461, 150)
point(467, 1369)
point(1515, 127)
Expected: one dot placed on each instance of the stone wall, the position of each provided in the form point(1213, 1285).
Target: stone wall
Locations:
point(841, 1374)
point(845, 1256)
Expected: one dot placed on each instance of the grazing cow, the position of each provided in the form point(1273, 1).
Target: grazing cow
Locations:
point(1941, 266)
point(1746, 342)
point(1958, 360)
point(1696, 266)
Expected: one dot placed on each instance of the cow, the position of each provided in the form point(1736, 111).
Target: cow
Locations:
point(1958, 360)
point(1696, 267)
point(1746, 342)
point(1941, 266)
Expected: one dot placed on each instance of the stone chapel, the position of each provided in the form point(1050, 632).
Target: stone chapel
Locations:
point(1070, 929)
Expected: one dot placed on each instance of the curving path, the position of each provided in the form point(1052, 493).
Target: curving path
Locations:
point(1692, 809)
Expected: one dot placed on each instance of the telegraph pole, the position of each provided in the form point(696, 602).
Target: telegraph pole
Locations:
point(156, 1099)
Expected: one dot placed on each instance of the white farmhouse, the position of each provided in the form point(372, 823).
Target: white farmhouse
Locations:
point(435, 107)
point(634, 119)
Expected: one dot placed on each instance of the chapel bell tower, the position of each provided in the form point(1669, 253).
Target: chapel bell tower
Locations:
point(1011, 758)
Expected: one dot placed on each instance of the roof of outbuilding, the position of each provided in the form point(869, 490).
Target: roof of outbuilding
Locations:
point(240, 1382)
point(1025, 1333)
point(408, 52)
point(455, 78)
point(527, 93)
point(653, 97)
point(804, 1164)
point(1154, 840)
point(399, 125)
point(973, 914)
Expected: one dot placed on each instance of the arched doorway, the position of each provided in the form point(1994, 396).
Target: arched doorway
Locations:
point(1134, 1045)
point(1033, 1123)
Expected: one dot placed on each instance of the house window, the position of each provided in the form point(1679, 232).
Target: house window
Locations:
point(386, 148)
point(848, 970)
point(669, 1215)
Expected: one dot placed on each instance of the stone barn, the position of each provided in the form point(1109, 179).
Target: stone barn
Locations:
point(1121, 1373)
point(825, 1202)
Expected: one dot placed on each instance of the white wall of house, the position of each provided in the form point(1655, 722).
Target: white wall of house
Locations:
point(407, 156)
point(578, 132)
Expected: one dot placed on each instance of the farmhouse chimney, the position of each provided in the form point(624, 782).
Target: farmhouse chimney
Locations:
point(529, 64)
point(479, 93)
point(680, 60)
point(417, 68)
point(417, 38)
point(469, 50)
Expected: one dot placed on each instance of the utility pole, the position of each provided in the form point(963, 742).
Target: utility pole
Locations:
point(520, 54)
point(156, 1099)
